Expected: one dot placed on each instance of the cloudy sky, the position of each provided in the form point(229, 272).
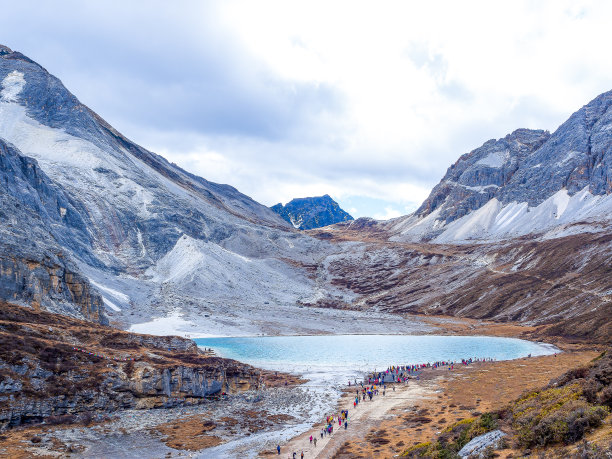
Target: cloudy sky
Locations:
point(369, 102)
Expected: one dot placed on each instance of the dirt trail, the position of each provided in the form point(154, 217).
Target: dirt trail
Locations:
point(361, 419)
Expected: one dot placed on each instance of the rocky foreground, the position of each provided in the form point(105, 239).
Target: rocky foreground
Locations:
point(59, 369)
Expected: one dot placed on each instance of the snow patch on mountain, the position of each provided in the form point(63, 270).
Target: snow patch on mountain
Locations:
point(495, 221)
point(12, 85)
point(495, 159)
point(479, 188)
point(165, 326)
point(44, 143)
point(478, 222)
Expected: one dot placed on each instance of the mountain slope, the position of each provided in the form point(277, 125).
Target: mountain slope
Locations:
point(128, 208)
point(309, 213)
point(517, 230)
point(38, 220)
point(528, 182)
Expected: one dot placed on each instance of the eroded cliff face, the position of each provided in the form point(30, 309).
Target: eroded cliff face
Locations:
point(53, 365)
point(34, 267)
point(46, 283)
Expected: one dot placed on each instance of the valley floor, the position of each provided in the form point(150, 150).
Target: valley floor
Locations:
point(249, 424)
point(446, 397)
point(283, 320)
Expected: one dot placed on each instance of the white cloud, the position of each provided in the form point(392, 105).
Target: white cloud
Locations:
point(286, 99)
point(388, 214)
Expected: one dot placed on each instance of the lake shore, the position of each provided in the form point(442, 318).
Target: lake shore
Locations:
point(420, 409)
point(248, 423)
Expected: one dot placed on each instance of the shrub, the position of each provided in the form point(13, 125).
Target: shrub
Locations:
point(605, 397)
point(454, 437)
point(558, 415)
point(419, 450)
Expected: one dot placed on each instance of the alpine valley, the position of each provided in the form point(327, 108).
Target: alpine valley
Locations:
point(109, 248)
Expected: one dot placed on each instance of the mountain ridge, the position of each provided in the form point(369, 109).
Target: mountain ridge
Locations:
point(564, 177)
point(166, 250)
point(312, 212)
point(132, 207)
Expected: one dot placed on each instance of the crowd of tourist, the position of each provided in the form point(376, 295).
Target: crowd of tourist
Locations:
point(376, 385)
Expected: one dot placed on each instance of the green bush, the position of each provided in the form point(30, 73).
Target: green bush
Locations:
point(454, 437)
point(557, 415)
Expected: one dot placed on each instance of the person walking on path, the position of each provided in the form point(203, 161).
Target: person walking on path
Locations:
point(315, 441)
point(278, 449)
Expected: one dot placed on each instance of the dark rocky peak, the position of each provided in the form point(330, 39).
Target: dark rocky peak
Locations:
point(531, 165)
point(578, 155)
point(8, 53)
point(313, 212)
point(478, 175)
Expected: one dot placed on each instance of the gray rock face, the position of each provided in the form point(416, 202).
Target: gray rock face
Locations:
point(531, 165)
point(37, 220)
point(114, 209)
point(478, 446)
point(147, 387)
point(113, 161)
point(479, 175)
point(309, 213)
point(51, 364)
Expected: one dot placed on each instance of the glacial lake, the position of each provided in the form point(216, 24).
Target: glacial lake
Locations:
point(351, 355)
point(329, 361)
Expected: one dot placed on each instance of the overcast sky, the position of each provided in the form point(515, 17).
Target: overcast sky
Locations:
point(368, 102)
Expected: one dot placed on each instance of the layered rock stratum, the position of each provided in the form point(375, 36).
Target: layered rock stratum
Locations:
point(54, 365)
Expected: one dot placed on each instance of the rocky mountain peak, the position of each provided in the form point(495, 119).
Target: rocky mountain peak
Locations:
point(529, 181)
point(479, 175)
point(530, 165)
point(313, 212)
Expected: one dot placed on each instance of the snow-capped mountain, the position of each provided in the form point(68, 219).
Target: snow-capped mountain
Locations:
point(309, 213)
point(149, 235)
point(92, 221)
point(527, 182)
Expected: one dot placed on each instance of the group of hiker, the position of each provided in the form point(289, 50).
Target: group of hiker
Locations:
point(402, 373)
point(341, 418)
point(377, 383)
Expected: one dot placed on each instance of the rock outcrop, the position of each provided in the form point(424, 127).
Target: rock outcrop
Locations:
point(478, 447)
point(38, 221)
point(53, 365)
point(309, 213)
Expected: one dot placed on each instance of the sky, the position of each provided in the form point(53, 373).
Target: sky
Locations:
point(369, 102)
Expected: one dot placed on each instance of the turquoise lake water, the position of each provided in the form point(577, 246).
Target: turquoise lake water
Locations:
point(354, 353)
point(329, 361)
